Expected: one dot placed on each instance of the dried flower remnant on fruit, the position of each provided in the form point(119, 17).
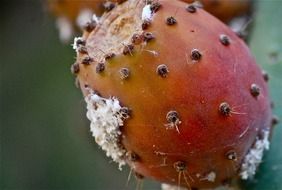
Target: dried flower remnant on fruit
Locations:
point(254, 156)
point(106, 119)
point(121, 27)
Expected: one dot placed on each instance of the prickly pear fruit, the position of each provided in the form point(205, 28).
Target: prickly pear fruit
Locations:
point(71, 9)
point(225, 10)
point(71, 14)
point(173, 93)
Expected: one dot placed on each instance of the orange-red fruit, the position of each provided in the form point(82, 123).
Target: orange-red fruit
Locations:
point(73, 14)
point(197, 99)
point(225, 10)
point(72, 8)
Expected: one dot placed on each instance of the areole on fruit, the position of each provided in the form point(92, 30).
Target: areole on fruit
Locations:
point(198, 102)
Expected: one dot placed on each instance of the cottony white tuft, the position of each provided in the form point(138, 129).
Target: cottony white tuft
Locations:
point(75, 45)
point(147, 13)
point(106, 119)
point(211, 176)
point(171, 187)
point(254, 157)
point(95, 18)
point(83, 17)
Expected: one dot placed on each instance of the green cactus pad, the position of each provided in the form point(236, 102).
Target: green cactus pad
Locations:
point(266, 45)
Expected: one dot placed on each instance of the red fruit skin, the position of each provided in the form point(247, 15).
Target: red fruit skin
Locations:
point(195, 89)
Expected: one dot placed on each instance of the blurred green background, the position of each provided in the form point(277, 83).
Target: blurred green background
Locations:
point(266, 45)
point(45, 138)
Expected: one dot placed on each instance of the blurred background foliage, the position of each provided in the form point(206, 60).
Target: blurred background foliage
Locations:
point(266, 45)
point(45, 138)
